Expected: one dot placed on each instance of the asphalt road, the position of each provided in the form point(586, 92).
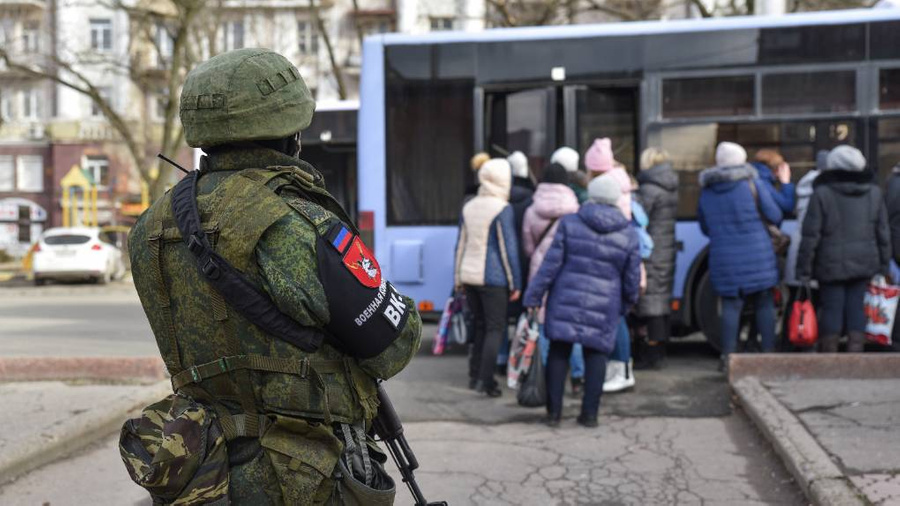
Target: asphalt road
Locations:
point(675, 439)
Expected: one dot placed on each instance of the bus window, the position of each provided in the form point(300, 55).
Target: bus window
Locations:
point(885, 40)
point(708, 97)
point(609, 112)
point(807, 44)
point(809, 92)
point(521, 121)
point(429, 143)
point(692, 148)
point(889, 89)
point(888, 146)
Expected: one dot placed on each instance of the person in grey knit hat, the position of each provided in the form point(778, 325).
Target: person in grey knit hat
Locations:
point(604, 190)
point(845, 241)
point(591, 276)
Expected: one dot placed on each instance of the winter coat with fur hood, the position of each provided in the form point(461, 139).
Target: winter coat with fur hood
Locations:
point(741, 257)
point(487, 251)
point(592, 274)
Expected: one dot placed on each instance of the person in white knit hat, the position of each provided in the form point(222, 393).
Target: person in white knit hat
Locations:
point(578, 179)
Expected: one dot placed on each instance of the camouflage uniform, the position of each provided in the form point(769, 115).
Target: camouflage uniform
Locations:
point(268, 214)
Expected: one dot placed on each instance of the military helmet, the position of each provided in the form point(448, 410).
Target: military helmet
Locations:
point(244, 95)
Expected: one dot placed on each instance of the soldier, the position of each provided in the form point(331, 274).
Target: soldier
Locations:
point(293, 422)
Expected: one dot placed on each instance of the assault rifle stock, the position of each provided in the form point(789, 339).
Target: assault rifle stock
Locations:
point(389, 429)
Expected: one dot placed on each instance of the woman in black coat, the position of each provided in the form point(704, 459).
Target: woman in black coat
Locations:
point(658, 193)
point(846, 241)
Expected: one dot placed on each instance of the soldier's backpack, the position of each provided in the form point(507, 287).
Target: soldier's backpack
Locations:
point(176, 451)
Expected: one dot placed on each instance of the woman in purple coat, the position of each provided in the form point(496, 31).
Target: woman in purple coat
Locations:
point(592, 273)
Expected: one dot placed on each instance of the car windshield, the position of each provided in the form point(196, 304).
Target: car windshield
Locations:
point(62, 240)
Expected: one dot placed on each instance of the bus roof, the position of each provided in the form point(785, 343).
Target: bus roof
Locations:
point(337, 105)
point(842, 17)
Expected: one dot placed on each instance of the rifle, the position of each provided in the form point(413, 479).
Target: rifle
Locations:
point(389, 429)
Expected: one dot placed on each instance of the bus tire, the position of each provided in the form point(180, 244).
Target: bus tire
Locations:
point(707, 310)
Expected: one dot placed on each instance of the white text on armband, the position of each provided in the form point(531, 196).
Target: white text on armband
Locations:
point(373, 306)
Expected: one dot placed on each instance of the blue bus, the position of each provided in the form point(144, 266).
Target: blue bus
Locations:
point(797, 83)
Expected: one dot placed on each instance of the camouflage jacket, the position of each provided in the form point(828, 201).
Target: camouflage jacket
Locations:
point(280, 249)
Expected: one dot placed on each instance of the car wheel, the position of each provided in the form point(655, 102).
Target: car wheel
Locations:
point(708, 312)
point(105, 278)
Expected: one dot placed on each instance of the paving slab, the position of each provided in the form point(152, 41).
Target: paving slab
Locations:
point(856, 421)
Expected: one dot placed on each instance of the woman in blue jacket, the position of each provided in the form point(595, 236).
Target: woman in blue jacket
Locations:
point(742, 265)
point(593, 274)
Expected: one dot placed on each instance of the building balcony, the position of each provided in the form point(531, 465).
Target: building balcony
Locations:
point(24, 4)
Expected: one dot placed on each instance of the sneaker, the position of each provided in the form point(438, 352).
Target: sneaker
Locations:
point(621, 378)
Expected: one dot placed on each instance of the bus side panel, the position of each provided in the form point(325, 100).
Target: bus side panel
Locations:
point(432, 279)
point(372, 141)
point(692, 242)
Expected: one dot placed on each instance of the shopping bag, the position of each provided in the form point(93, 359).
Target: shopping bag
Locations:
point(881, 309)
point(459, 327)
point(443, 330)
point(533, 386)
point(803, 328)
point(522, 350)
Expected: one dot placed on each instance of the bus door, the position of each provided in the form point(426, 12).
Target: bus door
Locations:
point(525, 120)
point(604, 111)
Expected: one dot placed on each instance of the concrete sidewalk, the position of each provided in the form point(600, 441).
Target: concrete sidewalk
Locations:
point(835, 421)
point(46, 420)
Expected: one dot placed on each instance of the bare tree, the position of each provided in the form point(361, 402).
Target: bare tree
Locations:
point(177, 19)
point(329, 47)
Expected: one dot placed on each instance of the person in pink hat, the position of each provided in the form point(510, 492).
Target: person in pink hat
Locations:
point(599, 160)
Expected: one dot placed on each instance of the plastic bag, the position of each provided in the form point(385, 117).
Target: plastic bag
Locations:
point(803, 329)
point(440, 337)
point(522, 350)
point(533, 386)
point(881, 309)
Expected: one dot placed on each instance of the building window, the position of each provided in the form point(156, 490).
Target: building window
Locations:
point(708, 97)
point(101, 34)
point(441, 24)
point(31, 37)
point(308, 38)
point(7, 174)
point(30, 174)
point(25, 224)
point(233, 35)
point(105, 95)
point(164, 46)
point(98, 168)
point(809, 92)
point(5, 106)
point(30, 104)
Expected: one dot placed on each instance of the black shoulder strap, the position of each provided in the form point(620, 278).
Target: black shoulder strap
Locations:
point(232, 285)
point(547, 230)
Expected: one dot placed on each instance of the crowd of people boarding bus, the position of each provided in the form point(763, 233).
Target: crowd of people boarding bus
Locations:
point(589, 252)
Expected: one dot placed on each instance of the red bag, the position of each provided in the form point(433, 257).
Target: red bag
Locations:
point(803, 328)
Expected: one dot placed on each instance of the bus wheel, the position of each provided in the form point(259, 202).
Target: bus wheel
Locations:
point(708, 311)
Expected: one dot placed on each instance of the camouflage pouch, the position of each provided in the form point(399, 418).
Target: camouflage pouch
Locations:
point(304, 455)
point(176, 451)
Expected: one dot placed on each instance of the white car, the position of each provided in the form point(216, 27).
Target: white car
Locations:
point(77, 253)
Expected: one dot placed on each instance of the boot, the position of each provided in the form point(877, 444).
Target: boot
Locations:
point(488, 390)
point(620, 378)
point(653, 356)
point(552, 420)
point(856, 342)
point(829, 344)
point(577, 386)
point(587, 420)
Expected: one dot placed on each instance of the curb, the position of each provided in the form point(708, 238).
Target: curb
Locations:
point(114, 369)
point(116, 287)
point(787, 366)
point(76, 432)
point(819, 477)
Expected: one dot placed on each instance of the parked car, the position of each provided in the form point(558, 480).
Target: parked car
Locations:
point(75, 253)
